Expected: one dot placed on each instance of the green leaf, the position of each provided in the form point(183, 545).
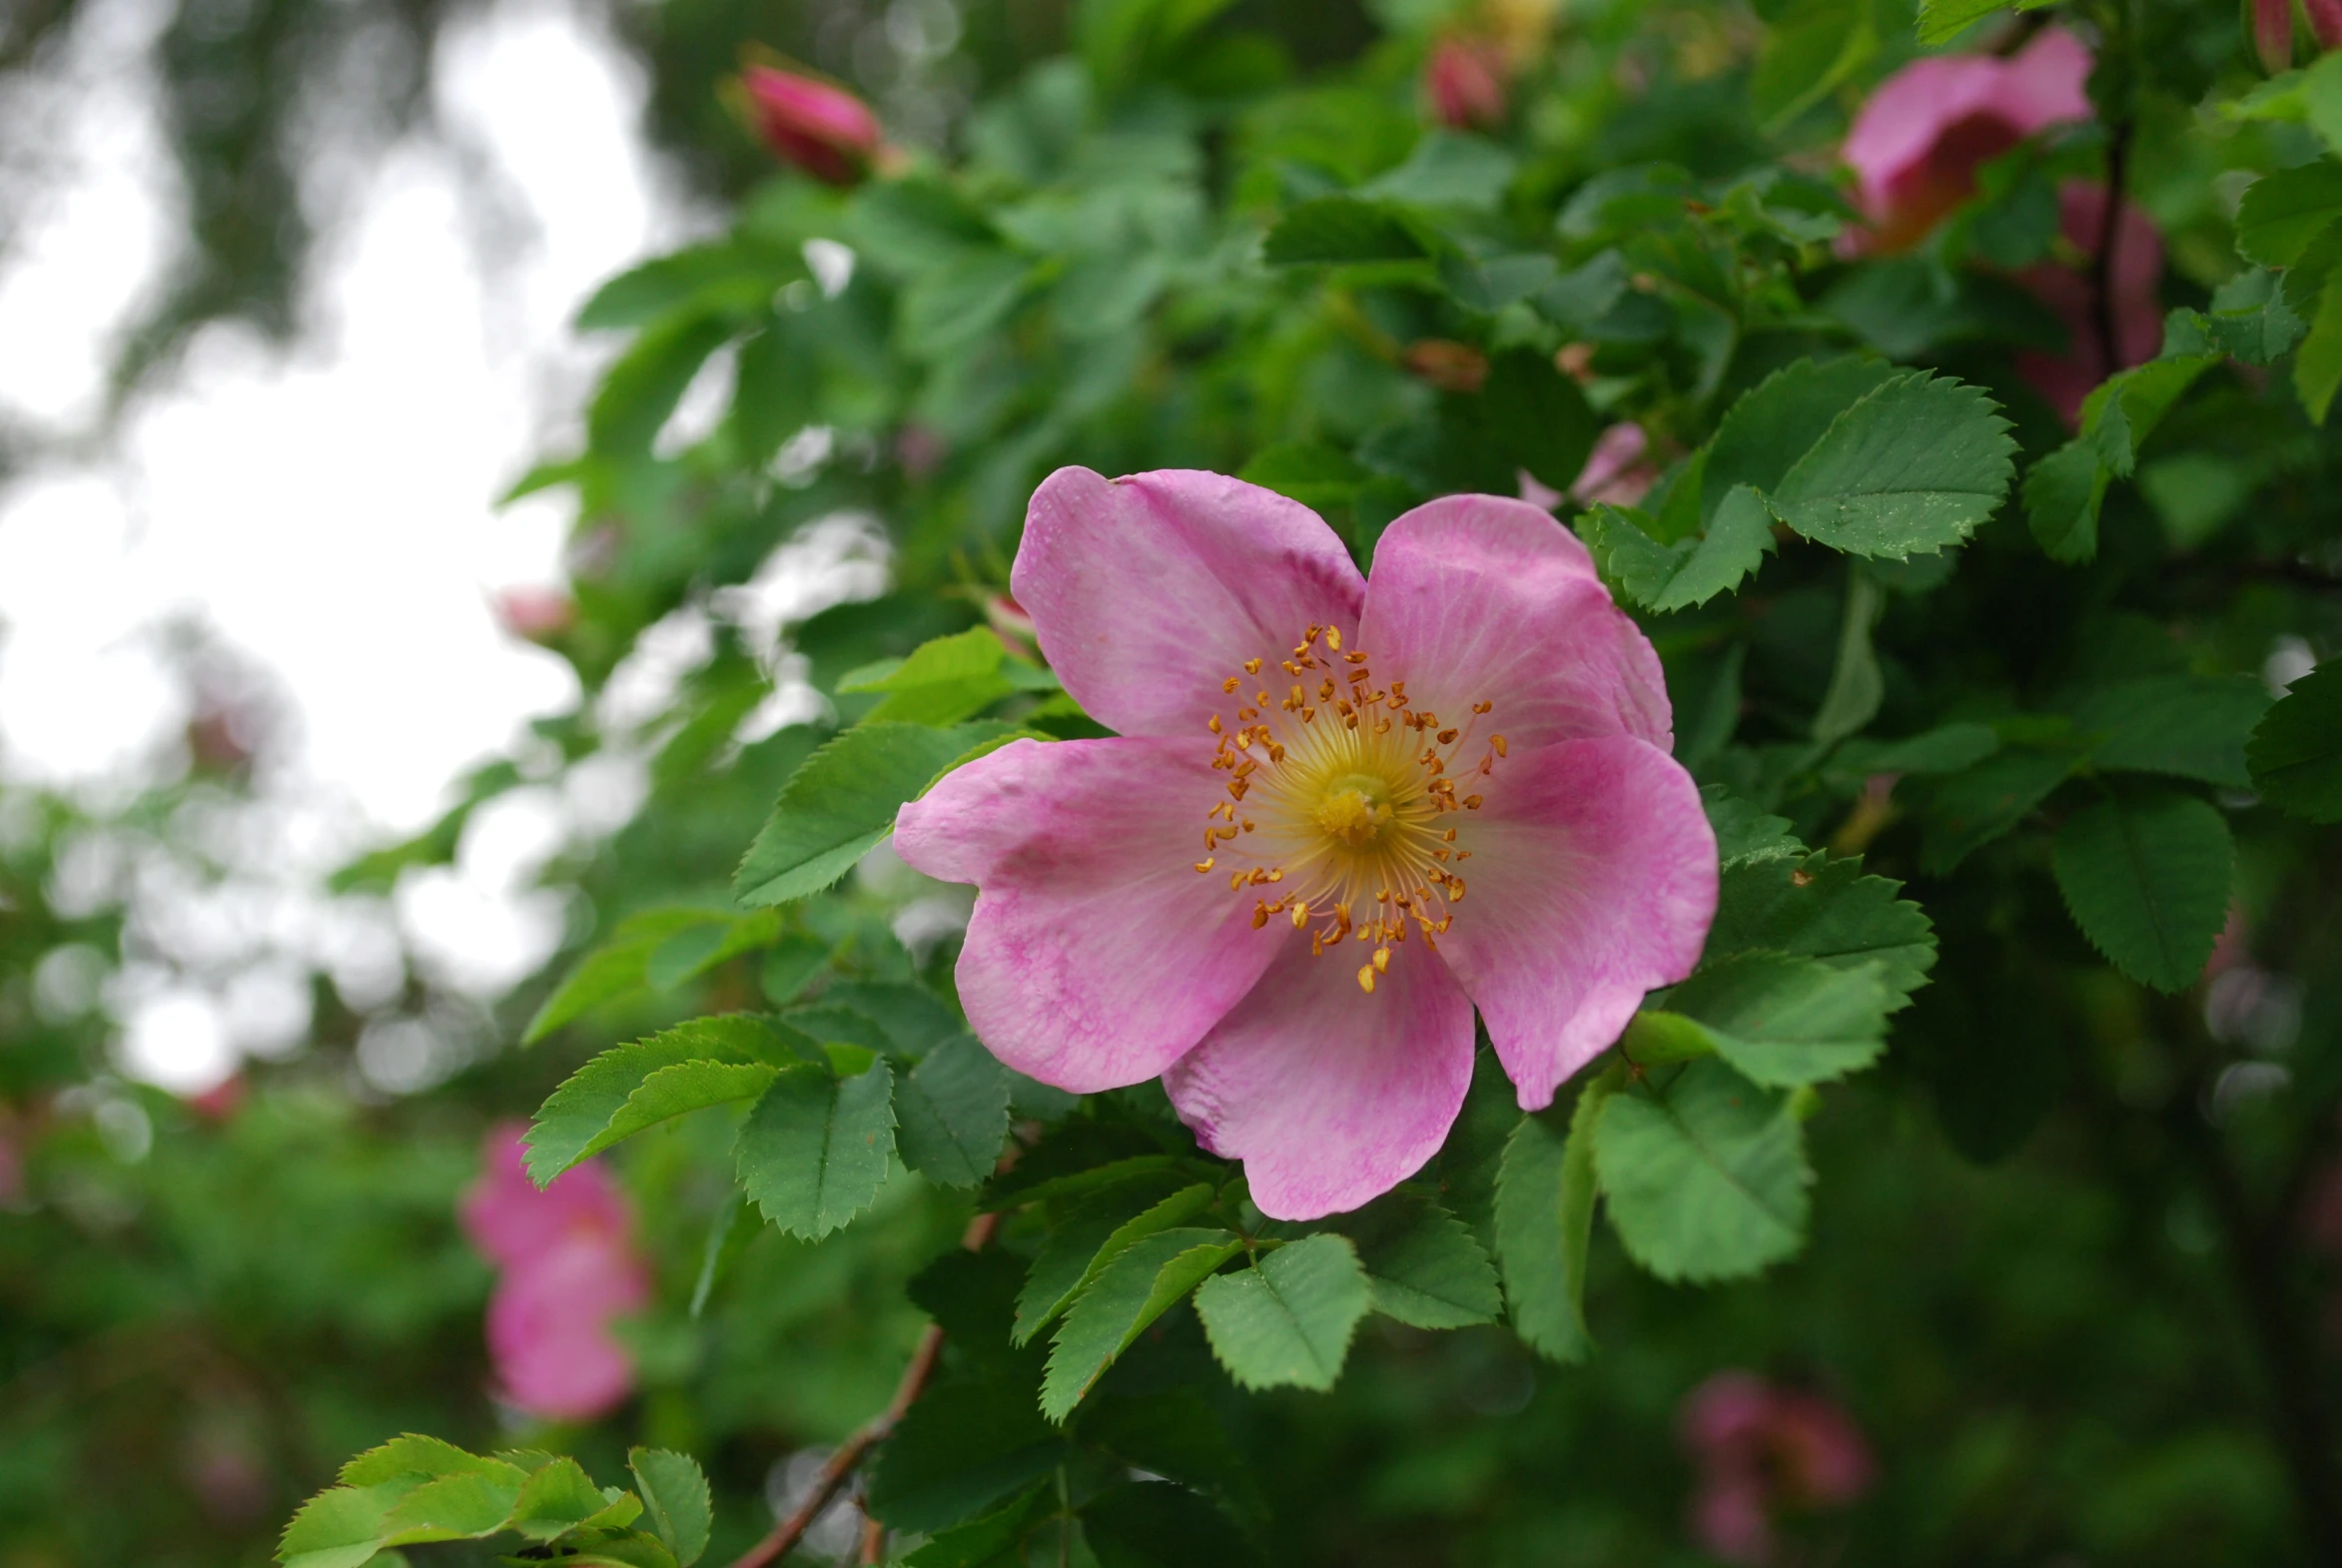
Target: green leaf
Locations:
point(1776, 422)
point(1806, 54)
point(1545, 1222)
point(961, 1447)
point(1947, 748)
point(702, 1063)
point(1689, 572)
point(1146, 1280)
point(412, 1455)
point(622, 964)
point(842, 801)
point(1342, 229)
point(342, 1527)
point(1706, 1179)
point(945, 310)
point(641, 389)
point(455, 1506)
point(1178, 1435)
point(2063, 494)
point(2317, 363)
point(1320, 478)
point(1743, 832)
point(1784, 1021)
point(953, 1113)
point(2147, 878)
point(2282, 212)
point(1915, 466)
point(1151, 1524)
point(942, 682)
point(2188, 726)
point(1857, 684)
point(675, 1496)
point(721, 276)
point(1940, 21)
point(1538, 416)
point(737, 1225)
point(1096, 1233)
point(2296, 750)
point(991, 1540)
point(1813, 906)
point(1423, 1265)
point(1448, 169)
point(1971, 808)
point(560, 1496)
point(1287, 1319)
point(814, 1151)
point(2124, 411)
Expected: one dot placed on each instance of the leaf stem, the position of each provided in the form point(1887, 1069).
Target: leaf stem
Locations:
point(841, 1466)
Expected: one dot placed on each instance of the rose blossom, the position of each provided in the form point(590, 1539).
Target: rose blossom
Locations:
point(569, 1270)
point(1256, 890)
point(1761, 1450)
point(825, 131)
point(1464, 80)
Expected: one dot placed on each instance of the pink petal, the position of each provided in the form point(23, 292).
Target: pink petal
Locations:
point(2046, 82)
point(510, 1221)
point(1149, 591)
point(548, 1329)
point(1481, 598)
point(1331, 1096)
point(1097, 956)
point(2066, 380)
point(1728, 1517)
point(1908, 113)
point(1592, 880)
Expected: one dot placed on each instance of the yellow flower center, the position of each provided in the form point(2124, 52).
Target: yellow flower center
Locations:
point(1342, 798)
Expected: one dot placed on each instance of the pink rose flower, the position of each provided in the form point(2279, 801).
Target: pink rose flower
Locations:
point(1464, 81)
point(1917, 145)
point(1257, 890)
point(824, 130)
point(569, 1271)
point(1615, 470)
point(2066, 379)
point(1762, 1451)
point(2325, 21)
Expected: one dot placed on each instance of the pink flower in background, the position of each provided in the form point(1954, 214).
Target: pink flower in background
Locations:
point(824, 130)
point(569, 1270)
point(1257, 890)
point(1615, 470)
point(2272, 33)
point(535, 614)
point(2066, 379)
point(1762, 1451)
point(2325, 21)
point(1464, 81)
point(1917, 145)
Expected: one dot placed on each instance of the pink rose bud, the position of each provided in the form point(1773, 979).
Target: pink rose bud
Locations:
point(535, 614)
point(1616, 471)
point(1013, 624)
point(2271, 24)
point(2325, 21)
point(824, 130)
point(1464, 82)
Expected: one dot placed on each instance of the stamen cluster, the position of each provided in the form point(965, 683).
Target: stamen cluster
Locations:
point(1353, 783)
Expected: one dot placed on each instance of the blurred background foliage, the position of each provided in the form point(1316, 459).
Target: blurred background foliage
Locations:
point(2071, 1269)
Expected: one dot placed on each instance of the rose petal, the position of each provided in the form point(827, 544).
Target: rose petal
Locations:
point(1481, 598)
point(548, 1329)
point(1331, 1096)
point(1592, 879)
point(512, 1223)
point(1097, 955)
point(1149, 591)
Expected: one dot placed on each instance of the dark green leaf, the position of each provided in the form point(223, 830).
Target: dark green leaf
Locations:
point(2148, 879)
point(1940, 21)
point(1912, 468)
point(953, 1111)
point(2282, 212)
point(2296, 750)
point(1784, 1021)
point(702, 1063)
point(961, 1447)
point(1971, 809)
point(1144, 1280)
point(1538, 416)
point(2189, 726)
point(1342, 229)
point(1778, 422)
point(1177, 1435)
point(1148, 1524)
point(1545, 1222)
point(1099, 1230)
point(675, 1497)
point(1689, 572)
point(1816, 907)
point(814, 1151)
point(1422, 1263)
point(1745, 833)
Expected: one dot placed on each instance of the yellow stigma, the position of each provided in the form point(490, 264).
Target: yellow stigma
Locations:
point(1351, 788)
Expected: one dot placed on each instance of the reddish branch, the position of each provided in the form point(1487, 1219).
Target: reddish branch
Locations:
point(850, 1453)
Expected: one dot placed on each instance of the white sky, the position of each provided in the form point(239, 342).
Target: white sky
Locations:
point(327, 514)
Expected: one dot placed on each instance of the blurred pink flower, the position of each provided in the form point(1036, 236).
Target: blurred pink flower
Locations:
point(2066, 380)
point(535, 614)
point(2272, 33)
point(1464, 81)
point(569, 1270)
point(2325, 21)
point(1917, 145)
point(824, 130)
point(1762, 1451)
point(1615, 472)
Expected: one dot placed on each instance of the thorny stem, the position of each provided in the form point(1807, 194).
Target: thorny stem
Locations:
point(850, 1453)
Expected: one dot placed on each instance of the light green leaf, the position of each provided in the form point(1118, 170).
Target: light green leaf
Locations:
point(623, 963)
point(641, 389)
point(410, 1454)
point(1915, 466)
point(1689, 572)
point(1139, 1286)
point(1096, 1233)
point(842, 801)
point(675, 1496)
point(1287, 1319)
point(814, 1151)
point(597, 1105)
point(1448, 169)
point(1814, 905)
point(2148, 879)
point(953, 1113)
point(2317, 363)
point(453, 1506)
point(342, 1527)
point(2296, 750)
point(1779, 420)
point(942, 682)
point(1784, 1021)
point(1545, 1222)
point(1743, 832)
point(1806, 54)
point(2188, 726)
point(1422, 1263)
point(1706, 1179)
point(1940, 21)
point(2282, 212)
point(560, 1496)
point(948, 309)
